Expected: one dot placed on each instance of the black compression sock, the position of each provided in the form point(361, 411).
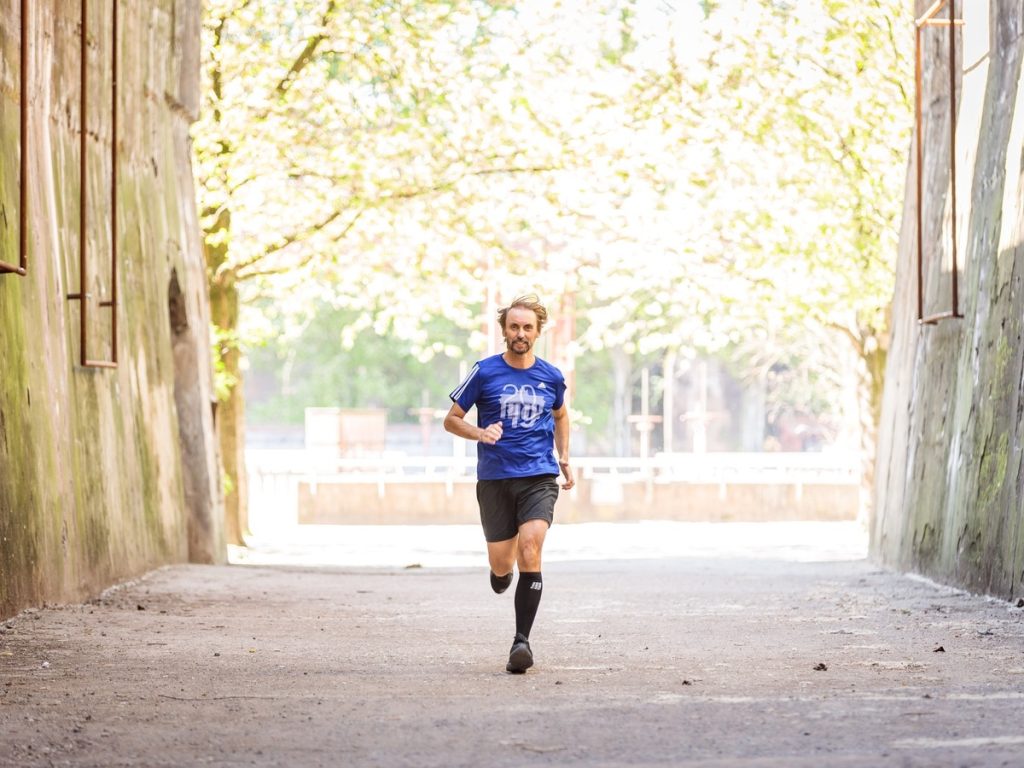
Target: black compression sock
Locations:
point(528, 592)
point(500, 583)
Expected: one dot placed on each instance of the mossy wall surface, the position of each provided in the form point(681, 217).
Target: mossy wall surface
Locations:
point(949, 499)
point(92, 468)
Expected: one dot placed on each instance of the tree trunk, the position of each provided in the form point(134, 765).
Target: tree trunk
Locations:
point(622, 403)
point(753, 409)
point(231, 411)
point(870, 384)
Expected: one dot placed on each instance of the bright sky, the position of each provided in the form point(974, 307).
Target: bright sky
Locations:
point(661, 21)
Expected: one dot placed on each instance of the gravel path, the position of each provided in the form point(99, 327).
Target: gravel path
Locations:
point(686, 661)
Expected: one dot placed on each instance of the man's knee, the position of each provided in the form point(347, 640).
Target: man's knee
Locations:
point(529, 550)
point(502, 556)
point(502, 565)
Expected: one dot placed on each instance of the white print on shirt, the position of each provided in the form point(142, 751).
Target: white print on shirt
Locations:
point(521, 405)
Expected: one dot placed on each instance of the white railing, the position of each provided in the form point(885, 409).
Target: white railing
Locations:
point(275, 475)
point(730, 468)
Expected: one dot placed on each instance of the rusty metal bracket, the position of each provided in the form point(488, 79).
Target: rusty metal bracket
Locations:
point(21, 268)
point(928, 19)
point(82, 296)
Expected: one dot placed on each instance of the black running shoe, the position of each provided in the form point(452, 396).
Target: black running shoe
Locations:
point(500, 583)
point(520, 658)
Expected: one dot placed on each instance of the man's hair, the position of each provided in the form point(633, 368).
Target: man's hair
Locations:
point(529, 301)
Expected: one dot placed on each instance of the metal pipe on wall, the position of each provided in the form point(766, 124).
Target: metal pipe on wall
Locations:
point(928, 20)
point(82, 296)
point(21, 268)
point(952, 152)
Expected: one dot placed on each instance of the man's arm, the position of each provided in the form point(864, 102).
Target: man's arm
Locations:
point(562, 428)
point(455, 422)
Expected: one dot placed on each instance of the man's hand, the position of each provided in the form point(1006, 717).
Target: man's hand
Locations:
point(567, 471)
point(491, 434)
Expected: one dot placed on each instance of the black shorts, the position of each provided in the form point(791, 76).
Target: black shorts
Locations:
point(508, 503)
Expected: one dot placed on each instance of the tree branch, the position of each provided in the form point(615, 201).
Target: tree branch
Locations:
point(240, 268)
point(245, 269)
point(245, 274)
point(857, 341)
point(306, 55)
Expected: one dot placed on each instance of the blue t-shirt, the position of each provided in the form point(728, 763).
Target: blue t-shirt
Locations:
point(522, 400)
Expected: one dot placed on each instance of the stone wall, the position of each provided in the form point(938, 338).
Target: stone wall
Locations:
point(949, 499)
point(104, 472)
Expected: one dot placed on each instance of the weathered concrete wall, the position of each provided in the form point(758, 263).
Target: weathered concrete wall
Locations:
point(104, 473)
point(949, 499)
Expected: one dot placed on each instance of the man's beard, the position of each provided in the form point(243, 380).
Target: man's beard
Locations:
point(509, 344)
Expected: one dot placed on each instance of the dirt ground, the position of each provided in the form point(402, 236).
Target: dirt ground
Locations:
point(675, 661)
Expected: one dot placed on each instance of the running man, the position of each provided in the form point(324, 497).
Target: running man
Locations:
point(521, 415)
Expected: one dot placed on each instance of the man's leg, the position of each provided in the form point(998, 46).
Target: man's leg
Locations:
point(530, 586)
point(502, 556)
point(528, 592)
point(497, 515)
